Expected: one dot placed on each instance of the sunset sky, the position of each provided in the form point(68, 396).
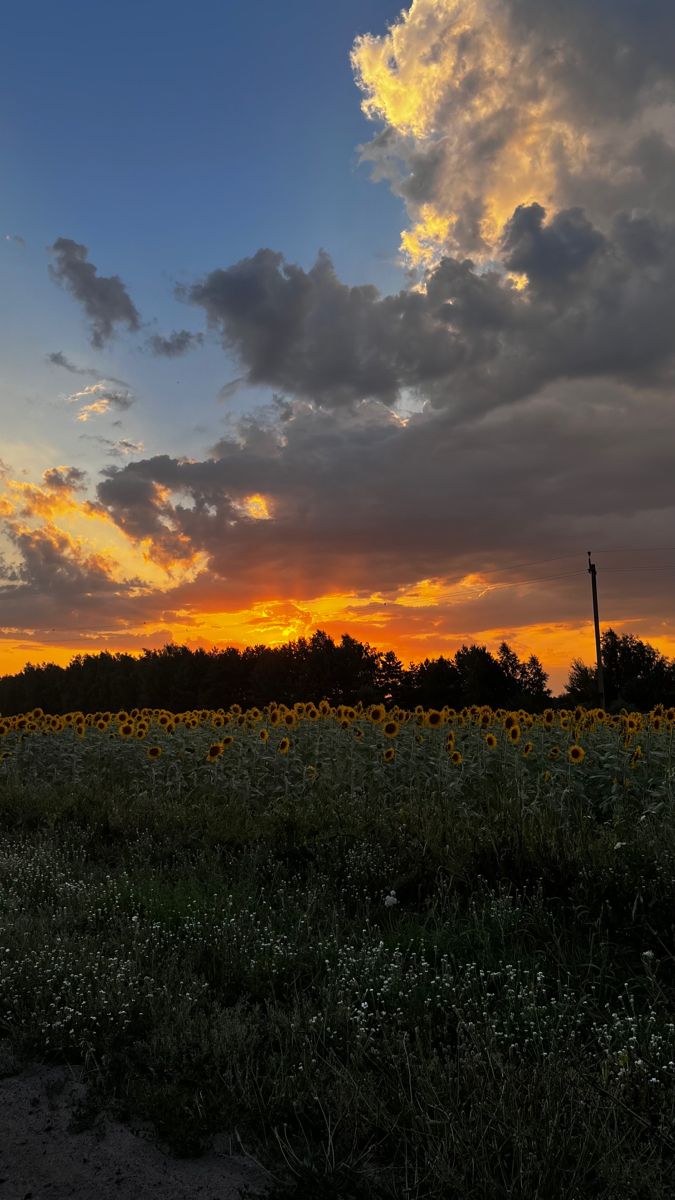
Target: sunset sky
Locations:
point(336, 316)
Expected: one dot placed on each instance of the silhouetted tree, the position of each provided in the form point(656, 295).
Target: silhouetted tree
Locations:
point(636, 675)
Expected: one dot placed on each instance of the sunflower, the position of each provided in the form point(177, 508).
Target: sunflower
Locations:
point(509, 721)
point(264, 735)
point(290, 720)
point(389, 754)
point(456, 758)
point(549, 716)
point(433, 719)
point(358, 734)
point(450, 740)
point(554, 752)
point(390, 728)
point(576, 754)
point(283, 746)
point(490, 741)
point(376, 713)
point(514, 734)
point(214, 751)
point(218, 722)
point(419, 738)
point(528, 748)
point(126, 729)
point(154, 751)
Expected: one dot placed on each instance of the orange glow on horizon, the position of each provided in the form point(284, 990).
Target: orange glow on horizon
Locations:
point(278, 622)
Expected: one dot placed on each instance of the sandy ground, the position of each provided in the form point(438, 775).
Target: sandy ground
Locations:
point(41, 1158)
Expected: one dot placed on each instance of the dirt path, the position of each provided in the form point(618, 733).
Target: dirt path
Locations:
point(42, 1159)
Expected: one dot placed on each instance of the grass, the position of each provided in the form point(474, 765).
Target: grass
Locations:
point(410, 979)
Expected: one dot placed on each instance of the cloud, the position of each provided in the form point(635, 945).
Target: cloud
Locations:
point(176, 344)
point(64, 479)
point(115, 449)
point(58, 359)
point(492, 104)
point(16, 238)
point(105, 299)
point(595, 304)
point(359, 502)
point(100, 397)
point(230, 389)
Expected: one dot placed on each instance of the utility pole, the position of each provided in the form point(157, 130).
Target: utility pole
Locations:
point(596, 621)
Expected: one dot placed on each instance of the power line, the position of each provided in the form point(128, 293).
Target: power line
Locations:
point(540, 579)
point(558, 557)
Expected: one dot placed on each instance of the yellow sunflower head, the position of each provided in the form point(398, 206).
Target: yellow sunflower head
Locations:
point(390, 728)
point(490, 741)
point(154, 751)
point(264, 735)
point(389, 754)
point(456, 758)
point(284, 745)
point(576, 754)
point(214, 751)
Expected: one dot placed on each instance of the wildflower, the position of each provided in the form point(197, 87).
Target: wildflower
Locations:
point(490, 741)
point(390, 728)
point(389, 754)
point(576, 754)
point(154, 751)
point(214, 751)
point(283, 746)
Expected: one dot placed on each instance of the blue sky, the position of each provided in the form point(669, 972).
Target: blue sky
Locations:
point(172, 139)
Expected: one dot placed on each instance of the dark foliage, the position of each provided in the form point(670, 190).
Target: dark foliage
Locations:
point(309, 669)
point(636, 675)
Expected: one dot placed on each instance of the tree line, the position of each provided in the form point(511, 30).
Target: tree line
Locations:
point(174, 677)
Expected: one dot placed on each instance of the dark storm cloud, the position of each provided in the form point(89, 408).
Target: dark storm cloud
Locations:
point(361, 502)
point(105, 299)
point(596, 304)
point(177, 343)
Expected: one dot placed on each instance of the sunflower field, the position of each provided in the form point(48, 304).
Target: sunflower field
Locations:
point(425, 954)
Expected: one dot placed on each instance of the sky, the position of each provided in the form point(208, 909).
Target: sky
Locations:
point(352, 317)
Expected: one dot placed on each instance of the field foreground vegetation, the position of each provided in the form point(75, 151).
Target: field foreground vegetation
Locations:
point(421, 954)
